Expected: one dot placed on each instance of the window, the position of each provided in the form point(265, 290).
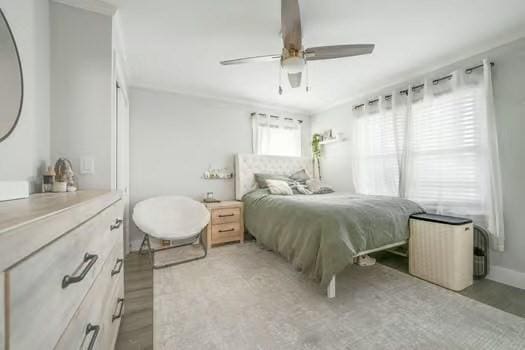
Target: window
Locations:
point(437, 146)
point(446, 153)
point(276, 136)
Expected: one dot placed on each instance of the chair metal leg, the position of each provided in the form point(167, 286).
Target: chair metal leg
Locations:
point(152, 252)
point(143, 243)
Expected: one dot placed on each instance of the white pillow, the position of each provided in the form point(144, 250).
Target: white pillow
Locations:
point(279, 187)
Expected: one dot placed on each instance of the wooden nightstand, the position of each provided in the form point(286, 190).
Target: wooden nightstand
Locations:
point(227, 223)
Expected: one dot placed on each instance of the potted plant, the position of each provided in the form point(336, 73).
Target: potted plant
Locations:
point(316, 152)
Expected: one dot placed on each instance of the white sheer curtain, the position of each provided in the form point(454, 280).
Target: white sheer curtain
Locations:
point(277, 136)
point(443, 138)
point(375, 160)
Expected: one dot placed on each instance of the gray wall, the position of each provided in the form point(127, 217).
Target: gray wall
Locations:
point(509, 90)
point(82, 91)
point(26, 151)
point(174, 138)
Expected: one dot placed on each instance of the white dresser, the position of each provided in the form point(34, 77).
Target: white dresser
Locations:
point(61, 266)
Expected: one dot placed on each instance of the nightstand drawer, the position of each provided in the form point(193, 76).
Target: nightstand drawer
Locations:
point(226, 233)
point(225, 215)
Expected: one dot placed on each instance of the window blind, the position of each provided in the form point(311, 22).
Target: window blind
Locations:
point(445, 151)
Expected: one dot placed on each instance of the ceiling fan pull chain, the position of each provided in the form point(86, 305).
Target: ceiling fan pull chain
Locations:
point(307, 77)
point(280, 80)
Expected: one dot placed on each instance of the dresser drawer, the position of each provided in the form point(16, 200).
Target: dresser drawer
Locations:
point(112, 316)
point(226, 215)
point(41, 298)
point(94, 308)
point(226, 233)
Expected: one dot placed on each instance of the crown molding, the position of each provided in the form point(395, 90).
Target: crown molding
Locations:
point(96, 6)
point(264, 107)
point(402, 79)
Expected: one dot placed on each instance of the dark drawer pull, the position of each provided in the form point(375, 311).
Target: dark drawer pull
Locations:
point(116, 225)
point(116, 270)
point(225, 215)
point(119, 314)
point(230, 230)
point(95, 329)
point(88, 258)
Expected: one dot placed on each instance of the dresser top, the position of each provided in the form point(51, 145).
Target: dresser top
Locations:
point(27, 225)
point(15, 213)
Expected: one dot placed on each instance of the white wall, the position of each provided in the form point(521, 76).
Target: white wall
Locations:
point(82, 86)
point(174, 138)
point(26, 151)
point(509, 89)
point(336, 167)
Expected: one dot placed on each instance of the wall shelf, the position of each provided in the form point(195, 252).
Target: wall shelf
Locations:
point(330, 140)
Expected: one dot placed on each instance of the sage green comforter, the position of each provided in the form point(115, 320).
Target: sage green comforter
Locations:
point(320, 234)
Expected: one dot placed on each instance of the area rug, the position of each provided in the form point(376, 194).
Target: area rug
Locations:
point(244, 297)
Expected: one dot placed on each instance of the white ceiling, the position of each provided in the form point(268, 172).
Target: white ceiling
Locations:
point(177, 45)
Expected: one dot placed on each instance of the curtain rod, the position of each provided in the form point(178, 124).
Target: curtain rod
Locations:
point(275, 116)
point(434, 82)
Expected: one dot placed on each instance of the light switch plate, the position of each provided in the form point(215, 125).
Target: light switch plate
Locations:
point(87, 165)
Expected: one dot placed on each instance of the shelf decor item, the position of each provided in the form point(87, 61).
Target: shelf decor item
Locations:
point(65, 177)
point(48, 179)
point(217, 174)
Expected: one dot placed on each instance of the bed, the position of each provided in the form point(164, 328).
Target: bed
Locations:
point(319, 234)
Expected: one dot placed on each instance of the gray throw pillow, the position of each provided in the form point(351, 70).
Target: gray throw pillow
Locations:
point(300, 176)
point(261, 179)
point(324, 190)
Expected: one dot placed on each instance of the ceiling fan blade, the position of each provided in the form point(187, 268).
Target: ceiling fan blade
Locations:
point(291, 25)
point(295, 79)
point(255, 59)
point(336, 51)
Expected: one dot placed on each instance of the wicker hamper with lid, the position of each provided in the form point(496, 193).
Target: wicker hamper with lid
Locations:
point(441, 250)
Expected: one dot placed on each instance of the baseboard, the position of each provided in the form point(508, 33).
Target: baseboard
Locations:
point(507, 276)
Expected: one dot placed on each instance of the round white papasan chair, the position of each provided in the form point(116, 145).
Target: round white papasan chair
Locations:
point(171, 218)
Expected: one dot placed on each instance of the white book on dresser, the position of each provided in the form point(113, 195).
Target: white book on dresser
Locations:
point(13, 190)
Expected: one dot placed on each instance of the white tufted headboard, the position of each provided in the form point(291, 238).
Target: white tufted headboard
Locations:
point(246, 165)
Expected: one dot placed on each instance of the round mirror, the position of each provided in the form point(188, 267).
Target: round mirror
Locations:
point(11, 84)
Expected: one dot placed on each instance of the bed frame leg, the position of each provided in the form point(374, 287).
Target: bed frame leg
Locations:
point(330, 290)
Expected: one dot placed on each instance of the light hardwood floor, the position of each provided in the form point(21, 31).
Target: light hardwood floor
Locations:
point(498, 295)
point(136, 330)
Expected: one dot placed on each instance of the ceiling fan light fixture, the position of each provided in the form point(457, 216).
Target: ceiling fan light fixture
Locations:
point(294, 64)
point(294, 57)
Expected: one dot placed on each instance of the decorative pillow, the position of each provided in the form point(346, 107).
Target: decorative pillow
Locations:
point(300, 176)
point(299, 188)
point(313, 185)
point(279, 187)
point(324, 190)
point(262, 178)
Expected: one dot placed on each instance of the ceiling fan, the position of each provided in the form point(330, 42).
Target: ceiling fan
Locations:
point(294, 57)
